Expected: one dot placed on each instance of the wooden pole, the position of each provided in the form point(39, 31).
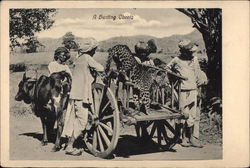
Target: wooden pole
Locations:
point(179, 94)
point(124, 94)
point(128, 91)
point(157, 95)
point(172, 94)
point(163, 96)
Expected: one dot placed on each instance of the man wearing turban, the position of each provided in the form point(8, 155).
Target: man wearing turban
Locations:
point(188, 66)
point(81, 95)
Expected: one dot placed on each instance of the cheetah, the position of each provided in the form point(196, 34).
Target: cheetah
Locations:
point(142, 76)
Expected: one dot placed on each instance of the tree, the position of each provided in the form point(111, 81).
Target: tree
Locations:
point(24, 23)
point(69, 41)
point(208, 22)
point(32, 44)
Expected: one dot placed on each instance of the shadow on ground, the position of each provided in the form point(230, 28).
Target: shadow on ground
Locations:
point(127, 146)
point(39, 136)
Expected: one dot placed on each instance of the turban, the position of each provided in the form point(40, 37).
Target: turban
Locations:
point(187, 45)
point(88, 45)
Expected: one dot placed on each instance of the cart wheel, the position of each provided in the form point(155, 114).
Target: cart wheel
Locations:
point(164, 133)
point(103, 122)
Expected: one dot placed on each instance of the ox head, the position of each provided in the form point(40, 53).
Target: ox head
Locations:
point(24, 88)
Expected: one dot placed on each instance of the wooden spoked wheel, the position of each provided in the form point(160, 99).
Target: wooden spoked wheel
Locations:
point(103, 122)
point(164, 133)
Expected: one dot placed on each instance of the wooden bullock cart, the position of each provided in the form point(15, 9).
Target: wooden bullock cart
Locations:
point(109, 112)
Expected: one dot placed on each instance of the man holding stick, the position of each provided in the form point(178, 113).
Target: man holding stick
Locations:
point(188, 66)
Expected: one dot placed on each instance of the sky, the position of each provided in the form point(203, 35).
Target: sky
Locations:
point(104, 23)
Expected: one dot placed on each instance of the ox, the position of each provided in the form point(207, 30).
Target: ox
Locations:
point(48, 97)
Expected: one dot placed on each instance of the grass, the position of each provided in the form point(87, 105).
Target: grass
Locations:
point(40, 61)
point(31, 58)
point(43, 58)
point(46, 57)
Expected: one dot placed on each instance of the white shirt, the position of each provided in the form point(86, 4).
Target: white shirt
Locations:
point(54, 66)
point(188, 69)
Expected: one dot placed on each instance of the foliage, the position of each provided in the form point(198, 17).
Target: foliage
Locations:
point(69, 41)
point(208, 22)
point(24, 23)
point(17, 67)
point(32, 44)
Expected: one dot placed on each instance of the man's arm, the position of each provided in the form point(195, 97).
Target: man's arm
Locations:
point(152, 62)
point(138, 59)
point(171, 64)
point(94, 64)
point(201, 76)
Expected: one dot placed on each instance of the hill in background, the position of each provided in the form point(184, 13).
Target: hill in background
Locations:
point(165, 44)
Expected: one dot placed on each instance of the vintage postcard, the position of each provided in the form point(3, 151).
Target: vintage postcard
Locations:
point(124, 84)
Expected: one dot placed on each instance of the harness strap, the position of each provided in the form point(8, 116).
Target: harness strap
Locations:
point(32, 95)
point(35, 92)
point(32, 91)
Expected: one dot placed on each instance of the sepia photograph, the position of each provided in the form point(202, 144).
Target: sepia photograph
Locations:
point(115, 84)
point(136, 103)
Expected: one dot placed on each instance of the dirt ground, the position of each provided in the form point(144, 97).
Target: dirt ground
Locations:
point(26, 133)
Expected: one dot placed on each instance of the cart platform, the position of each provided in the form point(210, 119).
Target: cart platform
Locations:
point(157, 115)
point(153, 115)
